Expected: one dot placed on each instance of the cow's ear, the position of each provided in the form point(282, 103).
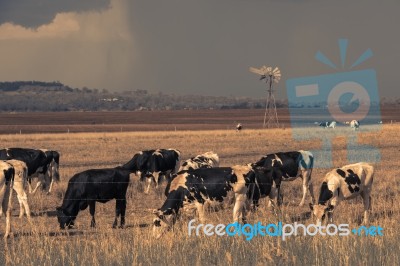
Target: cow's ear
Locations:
point(329, 208)
point(311, 206)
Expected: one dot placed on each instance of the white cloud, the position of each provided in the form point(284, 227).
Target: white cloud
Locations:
point(91, 49)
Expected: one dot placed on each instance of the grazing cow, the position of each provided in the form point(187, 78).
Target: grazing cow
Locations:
point(354, 124)
point(212, 186)
point(162, 162)
point(205, 160)
point(344, 183)
point(288, 166)
point(239, 127)
point(41, 163)
point(328, 124)
point(91, 186)
point(6, 183)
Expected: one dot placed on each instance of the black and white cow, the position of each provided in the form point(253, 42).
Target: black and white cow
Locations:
point(344, 183)
point(6, 183)
point(328, 124)
point(288, 166)
point(203, 187)
point(91, 186)
point(206, 160)
point(162, 162)
point(20, 180)
point(354, 124)
point(43, 164)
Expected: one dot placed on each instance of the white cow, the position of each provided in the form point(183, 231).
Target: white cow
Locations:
point(6, 183)
point(344, 183)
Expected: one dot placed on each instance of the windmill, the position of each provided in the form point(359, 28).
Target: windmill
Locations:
point(270, 76)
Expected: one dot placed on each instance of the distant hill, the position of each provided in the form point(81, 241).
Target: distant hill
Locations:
point(26, 85)
point(28, 96)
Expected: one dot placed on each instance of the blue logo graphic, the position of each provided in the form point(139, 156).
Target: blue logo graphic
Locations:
point(339, 97)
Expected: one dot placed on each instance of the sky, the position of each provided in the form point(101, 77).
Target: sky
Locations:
point(202, 47)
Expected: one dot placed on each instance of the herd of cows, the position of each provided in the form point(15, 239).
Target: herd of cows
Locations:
point(196, 184)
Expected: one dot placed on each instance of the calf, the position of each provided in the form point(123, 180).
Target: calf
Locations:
point(288, 166)
point(91, 186)
point(210, 186)
point(344, 183)
point(6, 183)
point(205, 160)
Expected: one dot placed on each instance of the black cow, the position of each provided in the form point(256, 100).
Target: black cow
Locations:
point(210, 186)
point(161, 162)
point(288, 166)
point(41, 163)
point(91, 186)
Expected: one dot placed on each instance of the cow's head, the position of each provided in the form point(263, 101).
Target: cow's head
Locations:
point(64, 219)
point(163, 222)
point(320, 211)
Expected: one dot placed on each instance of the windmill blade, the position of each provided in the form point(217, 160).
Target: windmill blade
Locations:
point(256, 71)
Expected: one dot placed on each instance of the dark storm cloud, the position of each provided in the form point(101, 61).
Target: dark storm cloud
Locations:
point(34, 13)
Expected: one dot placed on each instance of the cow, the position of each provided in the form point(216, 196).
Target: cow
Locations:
point(354, 124)
point(239, 127)
point(203, 187)
point(6, 183)
point(43, 164)
point(344, 183)
point(91, 186)
point(162, 162)
point(288, 166)
point(139, 162)
point(206, 160)
point(20, 180)
point(328, 124)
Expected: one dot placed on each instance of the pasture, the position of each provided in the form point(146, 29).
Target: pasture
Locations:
point(46, 244)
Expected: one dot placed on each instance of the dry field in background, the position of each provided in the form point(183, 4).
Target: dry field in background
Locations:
point(45, 244)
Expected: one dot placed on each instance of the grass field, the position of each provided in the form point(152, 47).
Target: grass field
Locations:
point(46, 244)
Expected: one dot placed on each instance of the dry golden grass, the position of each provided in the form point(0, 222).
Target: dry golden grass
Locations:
point(45, 244)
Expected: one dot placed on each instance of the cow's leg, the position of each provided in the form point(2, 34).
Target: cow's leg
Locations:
point(148, 183)
point(120, 208)
point(51, 186)
point(239, 210)
point(156, 176)
point(200, 211)
point(40, 181)
point(307, 185)
point(367, 206)
point(23, 200)
point(6, 205)
point(92, 210)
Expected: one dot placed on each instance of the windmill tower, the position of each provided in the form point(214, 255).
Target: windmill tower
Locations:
point(270, 76)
